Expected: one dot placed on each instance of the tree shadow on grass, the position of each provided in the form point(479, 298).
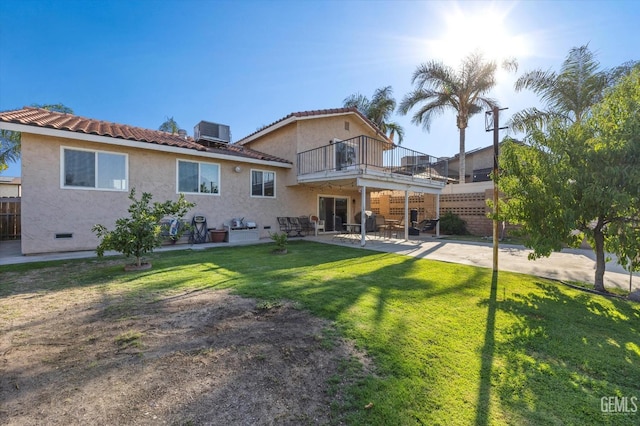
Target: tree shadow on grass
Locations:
point(402, 313)
point(483, 404)
point(424, 330)
point(562, 352)
point(133, 306)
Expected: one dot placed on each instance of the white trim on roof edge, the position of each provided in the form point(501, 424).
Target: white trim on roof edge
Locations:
point(293, 119)
point(108, 140)
point(264, 131)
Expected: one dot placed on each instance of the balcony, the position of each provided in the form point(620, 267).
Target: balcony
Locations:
point(376, 160)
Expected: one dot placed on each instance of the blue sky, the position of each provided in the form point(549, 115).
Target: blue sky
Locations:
point(248, 63)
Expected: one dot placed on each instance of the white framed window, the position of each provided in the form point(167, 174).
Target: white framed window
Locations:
point(263, 183)
point(198, 178)
point(90, 169)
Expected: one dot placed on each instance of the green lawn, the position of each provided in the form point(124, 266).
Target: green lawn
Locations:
point(451, 344)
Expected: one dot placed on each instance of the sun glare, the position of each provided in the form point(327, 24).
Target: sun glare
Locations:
point(486, 30)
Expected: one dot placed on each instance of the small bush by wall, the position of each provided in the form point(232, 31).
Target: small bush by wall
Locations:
point(452, 224)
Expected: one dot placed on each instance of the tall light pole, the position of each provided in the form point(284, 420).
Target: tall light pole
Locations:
point(493, 125)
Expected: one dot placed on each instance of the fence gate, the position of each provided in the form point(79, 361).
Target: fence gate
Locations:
point(10, 218)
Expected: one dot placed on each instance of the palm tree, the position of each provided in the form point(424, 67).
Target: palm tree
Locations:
point(568, 95)
point(439, 88)
point(11, 141)
point(9, 148)
point(169, 126)
point(378, 110)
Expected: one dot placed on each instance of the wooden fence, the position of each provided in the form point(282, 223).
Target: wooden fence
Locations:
point(10, 218)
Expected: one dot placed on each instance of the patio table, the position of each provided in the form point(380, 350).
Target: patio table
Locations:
point(391, 225)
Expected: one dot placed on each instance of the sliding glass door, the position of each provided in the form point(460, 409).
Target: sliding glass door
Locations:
point(333, 210)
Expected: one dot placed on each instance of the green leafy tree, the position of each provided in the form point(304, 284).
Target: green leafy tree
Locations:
point(169, 126)
point(141, 232)
point(439, 88)
point(378, 109)
point(569, 94)
point(54, 107)
point(580, 180)
point(10, 141)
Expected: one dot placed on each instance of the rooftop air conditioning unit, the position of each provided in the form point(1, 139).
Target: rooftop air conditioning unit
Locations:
point(211, 132)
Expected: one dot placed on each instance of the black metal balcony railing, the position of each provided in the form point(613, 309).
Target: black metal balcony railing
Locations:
point(365, 153)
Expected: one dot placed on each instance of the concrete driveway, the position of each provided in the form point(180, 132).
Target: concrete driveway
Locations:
point(567, 265)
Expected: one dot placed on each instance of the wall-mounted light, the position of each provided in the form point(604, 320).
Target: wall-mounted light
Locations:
point(237, 169)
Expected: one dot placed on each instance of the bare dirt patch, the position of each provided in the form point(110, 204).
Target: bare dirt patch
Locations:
point(80, 356)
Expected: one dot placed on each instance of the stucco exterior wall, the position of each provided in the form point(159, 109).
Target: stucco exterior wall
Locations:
point(390, 204)
point(314, 133)
point(281, 143)
point(305, 134)
point(301, 135)
point(57, 219)
point(48, 209)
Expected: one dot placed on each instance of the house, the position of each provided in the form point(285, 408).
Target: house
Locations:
point(78, 171)
point(10, 186)
point(479, 161)
point(10, 191)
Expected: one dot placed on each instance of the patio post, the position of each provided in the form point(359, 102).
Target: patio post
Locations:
point(406, 215)
point(363, 217)
point(438, 214)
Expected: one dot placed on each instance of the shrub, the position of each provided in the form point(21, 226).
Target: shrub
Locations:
point(452, 224)
point(140, 233)
point(281, 240)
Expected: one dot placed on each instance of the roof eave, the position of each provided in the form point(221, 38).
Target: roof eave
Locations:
point(267, 130)
point(293, 118)
point(87, 137)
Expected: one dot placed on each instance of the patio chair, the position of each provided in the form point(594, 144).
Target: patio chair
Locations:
point(317, 223)
point(396, 227)
point(295, 226)
point(380, 225)
point(306, 225)
point(428, 225)
point(285, 226)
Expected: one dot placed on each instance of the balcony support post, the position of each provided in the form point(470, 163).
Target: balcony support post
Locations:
point(363, 217)
point(406, 215)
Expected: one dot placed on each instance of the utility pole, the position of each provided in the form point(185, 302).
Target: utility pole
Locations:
point(494, 126)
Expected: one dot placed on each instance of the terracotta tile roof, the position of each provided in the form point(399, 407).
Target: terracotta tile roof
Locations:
point(241, 151)
point(318, 113)
point(39, 117)
point(56, 120)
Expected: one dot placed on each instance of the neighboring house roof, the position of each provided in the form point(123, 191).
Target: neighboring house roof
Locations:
point(38, 117)
point(9, 180)
point(478, 150)
point(303, 115)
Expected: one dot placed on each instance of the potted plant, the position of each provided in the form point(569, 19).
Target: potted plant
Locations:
point(217, 235)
